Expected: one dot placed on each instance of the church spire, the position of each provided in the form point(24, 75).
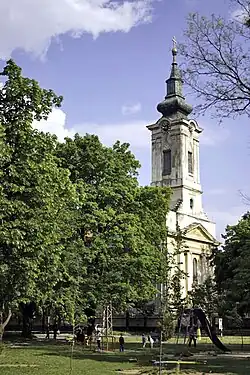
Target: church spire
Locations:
point(174, 100)
point(174, 83)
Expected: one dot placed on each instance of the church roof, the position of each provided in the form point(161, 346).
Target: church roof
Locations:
point(196, 231)
point(174, 101)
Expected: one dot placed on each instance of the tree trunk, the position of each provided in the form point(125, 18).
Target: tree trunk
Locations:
point(3, 323)
point(127, 320)
point(43, 321)
point(27, 326)
point(27, 309)
point(55, 328)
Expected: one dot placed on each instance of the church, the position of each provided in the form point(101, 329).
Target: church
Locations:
point(175, 163)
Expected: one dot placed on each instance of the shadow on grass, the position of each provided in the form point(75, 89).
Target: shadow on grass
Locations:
point(217, 364)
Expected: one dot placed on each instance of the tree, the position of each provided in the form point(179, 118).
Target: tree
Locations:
point(206, 297)
point(232, 267)
point(127, 223)
point(76, 229)
point(216, 61)
point(37, 200)
point(173, 301)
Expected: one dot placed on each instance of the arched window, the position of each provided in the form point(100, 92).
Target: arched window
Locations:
point(195, 270)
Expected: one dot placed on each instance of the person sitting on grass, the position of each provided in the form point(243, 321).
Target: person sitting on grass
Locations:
point(121, 342)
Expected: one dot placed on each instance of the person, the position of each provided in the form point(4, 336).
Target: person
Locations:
point(151, 340)
point(89, 333)
point(55, 330)
point(98, 340)
point(121, 342)
point(144, 340)
point(198, 332)
point(80, 336)
point(192, 336)
point(47, 331)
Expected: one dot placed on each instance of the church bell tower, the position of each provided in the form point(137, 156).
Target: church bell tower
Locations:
point(175, 154)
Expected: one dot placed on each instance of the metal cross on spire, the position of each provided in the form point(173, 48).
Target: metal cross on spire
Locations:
point(174, 43)
point(174, 49)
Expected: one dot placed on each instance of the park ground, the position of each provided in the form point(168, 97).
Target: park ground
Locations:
point(40, 357)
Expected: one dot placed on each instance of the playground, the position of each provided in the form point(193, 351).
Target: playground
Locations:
point(44, 357)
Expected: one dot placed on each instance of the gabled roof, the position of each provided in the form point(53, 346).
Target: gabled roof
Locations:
point(196, 231)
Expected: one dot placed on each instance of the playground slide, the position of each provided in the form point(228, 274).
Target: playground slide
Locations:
point(206, 325)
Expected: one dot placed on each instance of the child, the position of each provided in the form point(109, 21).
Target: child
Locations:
point(192, 336)
point(98, 340)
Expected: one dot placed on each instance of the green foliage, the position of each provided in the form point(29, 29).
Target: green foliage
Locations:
point(232, 266)
point(177, 274)
point(205, 296)
point(173, 301)
point(77, 231)
point(22, 100)
point(216, 61)
point(168, 324)
point(127, 222)
point(37, 199)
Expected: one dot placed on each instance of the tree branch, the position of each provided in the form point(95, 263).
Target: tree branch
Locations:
point(217, 65)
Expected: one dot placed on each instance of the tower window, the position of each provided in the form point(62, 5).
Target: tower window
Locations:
point(195, 270)
point(190, 162)
point(167, 162)
point(191, 203)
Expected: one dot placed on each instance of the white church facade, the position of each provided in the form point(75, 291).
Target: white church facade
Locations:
point(175, 163)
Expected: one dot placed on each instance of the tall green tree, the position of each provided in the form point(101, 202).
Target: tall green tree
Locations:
point(37, 199)
point(76, 231)
point(127, 222)
point(216, 61)
point(232, 267)
point(205, 296)
point(173, 300)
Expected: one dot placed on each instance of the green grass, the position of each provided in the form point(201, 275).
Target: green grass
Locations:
point(54, 359)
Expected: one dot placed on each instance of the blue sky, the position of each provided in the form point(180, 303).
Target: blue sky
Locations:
point(110, 65)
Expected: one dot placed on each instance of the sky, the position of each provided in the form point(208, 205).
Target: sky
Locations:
point(110, 60)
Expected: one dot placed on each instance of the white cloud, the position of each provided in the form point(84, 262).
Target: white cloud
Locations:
point(134, 132)
point(55, 125)
point(31, 25)
point(131, 109)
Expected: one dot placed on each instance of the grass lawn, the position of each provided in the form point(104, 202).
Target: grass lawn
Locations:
point(43, 358)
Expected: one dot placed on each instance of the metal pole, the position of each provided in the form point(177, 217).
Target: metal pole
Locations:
point(160, 367)
point(107, 327)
